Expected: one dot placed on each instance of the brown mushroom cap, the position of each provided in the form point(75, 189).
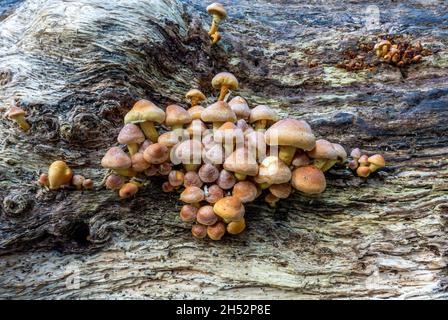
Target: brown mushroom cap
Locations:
point(226, 180)
point(213, 194)
point(241, 161)
point(225, 79)
point(15, 112)
point(309, 180)
point(262, 112)
point(363, 171)
point(340, 151)
point(59, 174)
point(218, 9)
point(356, 153)
point(176, 116)
point(229, 209)
point(176, 178)
point(195, 112)
point(256, 144)
point(195, 93)
point(128, 190)
point(300, 159)
point(206, 216)
point(228, 132)
point(139, 164)
point(363, 160)
point(208, 173)
point(291, 132)
point(196, 128)
point(144, 110)
point(156, 153)
point(115, 158)
point(236, 227)
point(114, 182)
point(240, 107)
point(214, 155)
point(246, 191)
point(199, 231)
point(188, 152)
point(218, 112)
point(170, 138)
point(191, 178)
point(274, 171)
point(281, 191)
point(323, 150)
point(192, 194)
point(216, 231)
point(377, 160)
point(130, 133)
point(244, 126)
point(188, 213)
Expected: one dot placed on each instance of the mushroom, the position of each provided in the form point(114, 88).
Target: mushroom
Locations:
point(256, 144)
point(376, 162)
point(195, 96)
point(216, 231)
point(156, 153)
point(324, 154)
point(300, 159)
point(196, 129)
point(139, 164)
point(188, 213)
point(218, 113)
point(189, 153)
point(213, 194)
point(176, 178)
point(214, 155)
point(382, 47)
point(208, 173)
point(206, 216)
point(229, 209)
point(229, 135)
point(240, 107)
point(261, 116)
point(271, 200)
point(246, 191)
point(17, 114)
point(363, 171)
point(77, 181)
point(242, 163)
point(195, 112)
point(117, 160)
point(128, 190)
point(363, 160)
point(114, 182)
point(236, 227)
point(290, 134)
point(192, 195)
point(308, 179)
point(145, 113)
point(226, 180)
point(191, 178)
point(244, 126)
point(273, 171)
point(165, 168)
point(170, 139)
point(218, 13)
point(59, 174)
point(43, 179)
point(176, 116)
point(131, 135)
point(87, 184)
point(281, 191)
point(199, 231)
point(224, 81)
point(152, 170)
point(215, 37)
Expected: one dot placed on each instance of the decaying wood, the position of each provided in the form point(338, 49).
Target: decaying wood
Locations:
point(77, 66)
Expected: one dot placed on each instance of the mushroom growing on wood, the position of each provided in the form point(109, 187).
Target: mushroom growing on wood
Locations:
point(308, 179)
point(218, 113)
point(176, 116)
point(18, 115)
point(261, 116)
point(224, 81)
point(59, 174)
point(242, 163)
point(229, 209)
point(132, 136)
point(324, 154)
point(240, 107)
point(145, 113)
point(218, 13)
point(195, 96)
point(117, 160)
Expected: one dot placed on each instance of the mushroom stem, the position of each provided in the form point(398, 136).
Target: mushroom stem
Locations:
point(259, 125)
point(240, 176)
point(319, 163)
point(22, 123)
point(328, 165)
point(194, 101)
point(215, 37)
point(215, 23)
point(133, 148)
point(149, 130)
point(286, 154)
point(222, 94)
point(373, 167)
point(191, 167)
point(125, 172)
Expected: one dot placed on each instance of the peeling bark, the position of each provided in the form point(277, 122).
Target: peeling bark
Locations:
point(77, 67)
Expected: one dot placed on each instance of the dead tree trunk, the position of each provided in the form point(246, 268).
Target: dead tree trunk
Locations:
point(76, 67)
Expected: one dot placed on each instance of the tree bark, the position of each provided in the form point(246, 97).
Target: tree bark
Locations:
point(77, 67)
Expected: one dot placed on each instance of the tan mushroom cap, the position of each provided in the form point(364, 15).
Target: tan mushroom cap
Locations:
point(144, 110)
point(139, 164)
point(195, 93)
point(176, 115)
point(240, 107)
point(169, 139)
point(225, 79)
point(281, 191)
point(229, 209)
point(228, 132)
point(15, 112)
point(377, 160)
point(291, 132)
point(309, 180)
point(218, 9)
point(218, 112)
point(236, 227)
point(130, 133)
point(241, 161)
point(340, 151)
point(156, 153)
point(195, 112)
point(262, 112)
point(274, 171)
point(115, 158)
point(246, 191)
point(206, 216)
point(216, 231)
point(189, 151)
point(323, 150)
point(192, 194)
point(196, 127)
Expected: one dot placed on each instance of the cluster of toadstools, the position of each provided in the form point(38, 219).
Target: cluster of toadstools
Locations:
point(220, 157)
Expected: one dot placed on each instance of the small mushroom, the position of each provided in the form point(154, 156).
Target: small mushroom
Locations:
point(300, 159)
point(363, 171)
point(376, 162)
point(43, 179)
point(308, 179)
point(215, 37)
point(224, 81)
point(261, 116)
point(281, 191)
point(218, 13)
point(216, 231)
point(117, 160)
point(17, 114)
point(131, 135)
point(208, 173)
point(128, 190)
point(59, 174)
point(356, 153)
point(170, 139)
point(192, 179)
point(218, 113)
point(165, 168)
point(229, 135)
point(139, 164)
point(213, 194)
point(256, 144)
point(246, 191)
point(192, 195)
point(324, 155)
point(206, 216)
point(176, 178)
point(273, 171)
point(114, 182)
point(271, 200)
point(195, 97)
point(145, 113)
point(176, 116)
point(189, 152)
point(188, 213)
point(195, 112)
point(88, 184)
point(229, 209)
point(236, 227)
point(151, 171)
point(242, 163)
point(363, 160)
point(226, 180)
point(196, 129)
point(156, 153)
point(77, 181)
point(240, 107)
point(199, 231)
point(214, 155)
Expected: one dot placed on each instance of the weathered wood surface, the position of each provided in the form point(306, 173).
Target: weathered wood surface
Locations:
point(77, 66)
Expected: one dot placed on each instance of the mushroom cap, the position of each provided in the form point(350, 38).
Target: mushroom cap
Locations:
point(274, 171)
point(176, 178)
point(156, 153)
point(196, 127)
point(214, 193)
point(206, 216)
point(59, 173)
point(241, 161)
point(170, 138)
point(191, 178)
point(240, 107)
point(363, 160)
point(144, 110)
point(281, 191)
point(229, 209)
point(243, 125)
point(228, 132)
point(195, 112)
point(188, 213)
point(192, 194)
point(377, 160)
point(340, 151)
point(189, 151)
point(216, 231)
point(356, 153)
point(246, 191)
point(218, 9)
point(114, 182)
point(225, 79)
point(128, 190)
point(115, 158)
point(236, 227)
point(130, 133)
point(308, 179)
point(291, 132)
point(226, 180)
point(139, 163)
point(218, 112)
point(15, 112)
point(208, 173)
point(363, 171)
point(255, 142)
point(300, 159)
point(323, 150)
point(262, 112)
point(195, 93)
point(214, 155)
point(176, 115)
point(199, 231)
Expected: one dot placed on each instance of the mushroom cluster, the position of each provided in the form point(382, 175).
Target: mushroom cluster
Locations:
point(400, 53)
point(363, 164)
point(218, 13)
point(61, 175)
